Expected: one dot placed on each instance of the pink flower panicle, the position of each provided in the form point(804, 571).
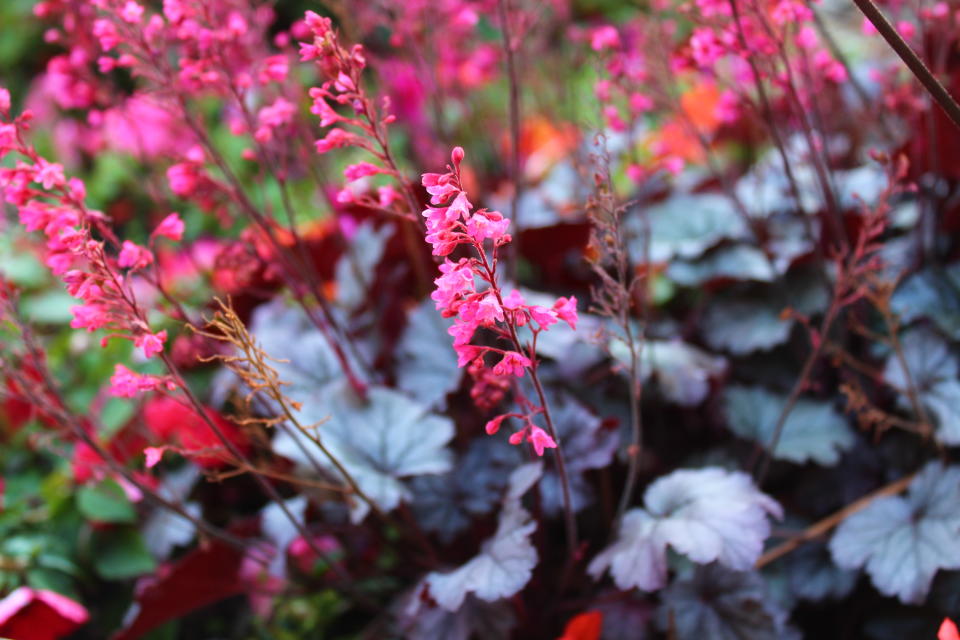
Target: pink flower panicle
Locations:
point(468, 291)
point(47, 202)
point(357, 120)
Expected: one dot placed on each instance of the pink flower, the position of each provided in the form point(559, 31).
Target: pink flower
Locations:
point(171, 227)
point(320, 25)
point(540, 440)
point(512, 362)
point(131, 12)
point(153, 456)
point(8, 137)
point(536, 436)
point(487, 224)
point(125, 383)
point(275, 69)
point(466, 353)
point(387, 195)
point(546, 317)
point(906, 29)
point(32, 217)
point(438, 186)
point(455, 282)
point(336, 139)
point(705, 47)
point(151, 343)
point(640, 103)
point(49, 174)
point(134, 256)
point(273, 116)
point(4, 100)
point(184, 178)
point(462, 333)
point(605, 37)
point(89, 316)
point(361, 170)
point(488, 311)
point(493, 425)
point(320, 108)
point(566, 310)
point(106, 33)
point(513, 301)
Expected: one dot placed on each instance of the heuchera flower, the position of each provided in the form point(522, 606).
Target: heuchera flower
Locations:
point(125, 383)
point(536, 436)
point(133, 256)
point(150, 343)
point(467, 290)
point(171, 227)
point(512, 362)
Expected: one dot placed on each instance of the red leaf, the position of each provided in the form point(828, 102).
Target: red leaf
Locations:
point(948, 630)
point(205, 575)
point(584, 626)
point(178, 424)
point(37, 614)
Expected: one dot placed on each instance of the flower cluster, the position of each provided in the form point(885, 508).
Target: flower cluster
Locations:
point(451, 222)
point(49, 202)
point(342, 70)
point(722, 61)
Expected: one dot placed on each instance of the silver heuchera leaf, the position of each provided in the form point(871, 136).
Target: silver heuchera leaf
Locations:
point(302, 355)
point(933, 372)
point(427, 364)
point(813, 430)
point(738, 262)
point(742, 324)
point(165, 529)
point(682, 371)
point(720, 604)
point(380, 441)
point(280, 531)
point(586, 445)
point(685, 226)
point(932, 293)
point(903, 541)
point(708, 515)
point(354, 271)
point(474, 619)
point(505, 562)
point(446, 504)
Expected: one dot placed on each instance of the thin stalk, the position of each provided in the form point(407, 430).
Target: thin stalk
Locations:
point(636, 430)
point(797, 389)
point(515, 176)
point(570, 522)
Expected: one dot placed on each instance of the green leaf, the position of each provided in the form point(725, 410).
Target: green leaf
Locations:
point(50, 307)
point(121, 554)
point(52, 580)
point(116, 413)
point(105, 502)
